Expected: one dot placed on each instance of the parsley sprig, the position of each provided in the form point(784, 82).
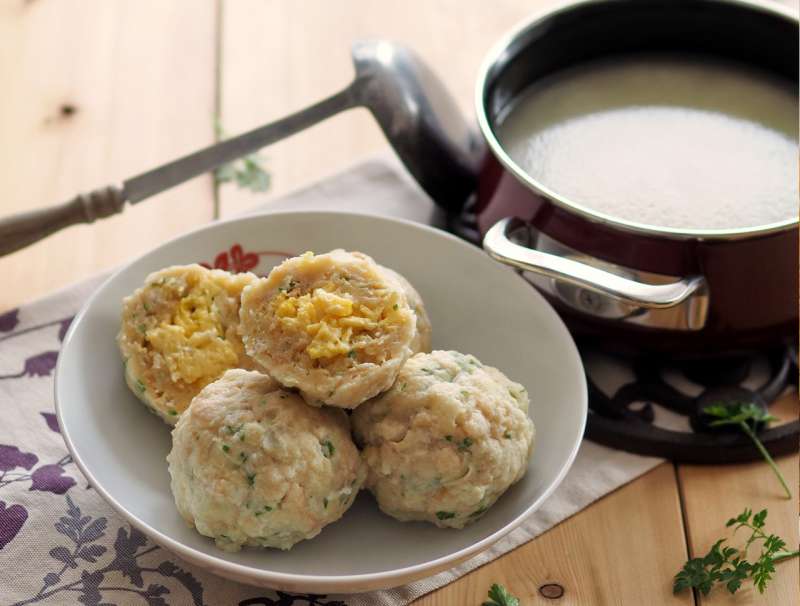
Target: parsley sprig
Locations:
point(499, 596)
point(727, 565)
point(747, 416)
point(246, 172)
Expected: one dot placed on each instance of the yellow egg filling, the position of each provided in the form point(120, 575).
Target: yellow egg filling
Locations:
point(192, 341)
point(334, 321)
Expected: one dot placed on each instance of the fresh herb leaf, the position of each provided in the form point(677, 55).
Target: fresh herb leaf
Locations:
point(247, 172)
point(728, 565)
point(327, 448)
point(748, 417)
point(499, 596)
point(445, 515)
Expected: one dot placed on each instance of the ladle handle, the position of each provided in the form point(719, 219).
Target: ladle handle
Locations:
point(20, 230)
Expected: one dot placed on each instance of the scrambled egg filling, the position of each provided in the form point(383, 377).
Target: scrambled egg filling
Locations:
point(335, 323)
point(192, 341)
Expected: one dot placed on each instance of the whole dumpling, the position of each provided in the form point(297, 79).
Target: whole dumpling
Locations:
point(446, 440)
point(179, 332)
point(253, 464)
point(335, 326)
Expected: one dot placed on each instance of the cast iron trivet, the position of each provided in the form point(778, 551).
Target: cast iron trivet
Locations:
point(625, 420)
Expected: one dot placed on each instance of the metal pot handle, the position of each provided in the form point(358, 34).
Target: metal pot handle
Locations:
point(630, 292)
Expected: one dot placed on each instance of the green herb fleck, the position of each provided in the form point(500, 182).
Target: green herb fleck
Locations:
point(747, 416)
point(445, 515)
point(173, 412)
point(266, 509)
point(140, 386)
point(351, 354)
point(465, 444)
point(251, 479)
point(325, 502)
point(243, 456)
point(449, 438)
point(464, 394)
point(507, 435)
point(142, 328)
point(394, 306)
point(729, 566)
point(499, 596)
point(226, 448)
point(327, 448)
point(402, 387)
point(146, 308)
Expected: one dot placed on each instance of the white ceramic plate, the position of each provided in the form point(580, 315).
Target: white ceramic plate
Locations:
point(476, 306)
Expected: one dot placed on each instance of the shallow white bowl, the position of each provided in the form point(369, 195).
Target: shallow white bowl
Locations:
point(476, 306)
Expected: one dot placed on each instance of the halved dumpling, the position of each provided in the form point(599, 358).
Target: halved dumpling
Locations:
point(179, 333)
point(335, 326)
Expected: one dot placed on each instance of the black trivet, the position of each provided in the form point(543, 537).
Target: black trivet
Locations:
point(625, 420)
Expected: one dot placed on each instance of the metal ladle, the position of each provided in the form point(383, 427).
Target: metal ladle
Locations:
point(417, 115)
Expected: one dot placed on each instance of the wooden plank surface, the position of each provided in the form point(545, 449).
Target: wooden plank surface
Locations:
point(713, 494)
point(620, 550)
point(95, 92)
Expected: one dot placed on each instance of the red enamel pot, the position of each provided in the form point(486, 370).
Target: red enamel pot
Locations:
point(623, 285)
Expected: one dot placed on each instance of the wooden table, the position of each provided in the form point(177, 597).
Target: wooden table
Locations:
point(97, 90)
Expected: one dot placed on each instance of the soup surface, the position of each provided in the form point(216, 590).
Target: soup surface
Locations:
point(669, 141)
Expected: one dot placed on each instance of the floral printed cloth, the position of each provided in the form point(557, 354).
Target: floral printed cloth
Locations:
point(60, 543)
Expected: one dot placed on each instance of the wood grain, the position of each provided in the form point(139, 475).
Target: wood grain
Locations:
point(622, 550)
point(711, 495)
point(280, 56)
point(94, 92)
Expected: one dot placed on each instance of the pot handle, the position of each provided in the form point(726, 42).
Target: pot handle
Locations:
point(630, 292)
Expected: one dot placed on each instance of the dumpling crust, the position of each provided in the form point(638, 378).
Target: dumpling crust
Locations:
point(179, 332)
point(253, 465)
point(446, 440)
point(335, 326)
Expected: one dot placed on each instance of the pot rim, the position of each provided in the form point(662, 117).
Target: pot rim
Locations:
point(511, 40)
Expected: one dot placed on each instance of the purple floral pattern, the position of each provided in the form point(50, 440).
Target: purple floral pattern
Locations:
point(9, 320)
point(12, 518)
point(51, 420)
point(79, 570)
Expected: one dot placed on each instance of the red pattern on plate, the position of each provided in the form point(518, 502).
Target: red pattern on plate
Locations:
point(236, 260)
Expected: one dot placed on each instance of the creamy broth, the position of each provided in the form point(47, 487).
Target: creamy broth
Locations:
point(667, 141)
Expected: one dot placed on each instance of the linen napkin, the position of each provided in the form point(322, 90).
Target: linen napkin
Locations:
point(60, 543)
